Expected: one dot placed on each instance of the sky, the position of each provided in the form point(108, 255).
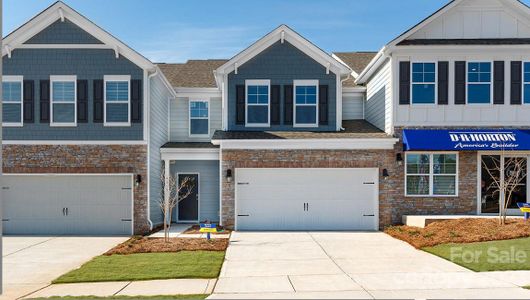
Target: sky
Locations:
point(178, 30)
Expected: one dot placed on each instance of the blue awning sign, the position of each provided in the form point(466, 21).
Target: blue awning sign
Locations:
point(465, 140)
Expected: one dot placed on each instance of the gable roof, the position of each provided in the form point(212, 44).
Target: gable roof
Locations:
point(61, 11)
point(281, 33)
point(516, 5)
point(193, 73)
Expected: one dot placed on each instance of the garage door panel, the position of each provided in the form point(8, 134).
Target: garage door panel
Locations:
point(97, 204)
point(307, 199)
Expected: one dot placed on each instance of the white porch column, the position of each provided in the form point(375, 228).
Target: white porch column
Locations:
point(166, 190)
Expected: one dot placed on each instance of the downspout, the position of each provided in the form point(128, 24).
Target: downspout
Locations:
point(342, 100)
point(148, 119)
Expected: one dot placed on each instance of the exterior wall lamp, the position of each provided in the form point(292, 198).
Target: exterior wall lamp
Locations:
point(229, 175)
point(138, 180)
point(399, 159)
point(385, 173)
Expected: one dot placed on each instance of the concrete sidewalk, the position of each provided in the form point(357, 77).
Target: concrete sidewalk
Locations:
point(129, 288)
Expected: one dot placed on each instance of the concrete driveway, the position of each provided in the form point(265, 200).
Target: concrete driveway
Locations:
point(31, 263)
point(346, 265)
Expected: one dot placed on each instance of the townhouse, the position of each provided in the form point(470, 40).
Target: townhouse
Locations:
point(282, 136)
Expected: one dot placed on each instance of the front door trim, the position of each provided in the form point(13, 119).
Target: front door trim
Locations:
point(198, 197)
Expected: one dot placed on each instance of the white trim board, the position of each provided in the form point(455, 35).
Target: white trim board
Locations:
point(189, 154)
point(282, 33)
point(309, 144)
point(61, 11)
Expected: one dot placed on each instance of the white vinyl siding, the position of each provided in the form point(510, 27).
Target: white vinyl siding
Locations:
point(117, 100)
point(179, 119)
point(63, 103)
point(12, 97)
point(353, 106)
point(378, 106)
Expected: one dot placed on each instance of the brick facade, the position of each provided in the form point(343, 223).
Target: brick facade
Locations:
point(90, 159)
point(392, 201)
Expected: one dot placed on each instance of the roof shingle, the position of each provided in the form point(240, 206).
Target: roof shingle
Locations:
point(193, 73)
point(357, 61)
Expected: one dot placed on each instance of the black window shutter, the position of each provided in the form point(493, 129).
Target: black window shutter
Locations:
point(323, 105)
point(275, 104)
point(498, 82)
point(45, 101)
point(460, 82)
point(404, 82)
point(516, 83)
point(443, 82)
point(29, 102)
point(82, 101)
point(240, 104)
point(136, 101)
point(288, 109)
point(98, 100)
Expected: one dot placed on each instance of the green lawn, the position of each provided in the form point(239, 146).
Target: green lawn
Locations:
point(487, 256)
point(178, 297)
point(148, 266)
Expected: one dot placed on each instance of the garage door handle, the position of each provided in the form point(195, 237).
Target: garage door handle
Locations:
point(368, 215)
point(126, 220)
point(64, 211)
point(368, 182)
point(243, 215)
point(5, 220)
point(243, 183)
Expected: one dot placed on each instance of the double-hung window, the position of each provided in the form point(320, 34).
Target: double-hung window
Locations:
point(117, 100)
point(526, 83)
point(12, 113)
point(423, 83)
point(431, 174)
point(63, 108)
point(258, 103)
point(199, 118)
point(306, 103)
point(479, 83)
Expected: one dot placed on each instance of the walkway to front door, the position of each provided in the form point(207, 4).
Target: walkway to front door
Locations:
point(345, 265)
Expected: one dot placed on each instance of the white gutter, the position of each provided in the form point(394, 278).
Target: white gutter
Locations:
point(381, 56)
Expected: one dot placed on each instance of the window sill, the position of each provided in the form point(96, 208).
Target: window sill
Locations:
point(257, 125)
point(199, 135)
point(12, 124)
point(63, 124)
point(117, 124)
point(305, 125)
point(431, 196)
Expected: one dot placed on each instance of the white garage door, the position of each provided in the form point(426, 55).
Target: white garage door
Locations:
point(67, 204)
point(307, 199)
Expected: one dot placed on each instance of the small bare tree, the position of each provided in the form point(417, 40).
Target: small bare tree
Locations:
point(506, 173)
point(175, 192)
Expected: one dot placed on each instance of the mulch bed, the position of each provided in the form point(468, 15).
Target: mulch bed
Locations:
point(195, 229)
point(460, 231)
point(152, 245)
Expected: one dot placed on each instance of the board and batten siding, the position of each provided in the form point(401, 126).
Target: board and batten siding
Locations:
point(353, 106)
point(180, 119)
point(158, 136)
point(463, 114)
point(208, 185)
point(378, 106)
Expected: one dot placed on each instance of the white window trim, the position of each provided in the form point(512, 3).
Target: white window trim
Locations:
point(490, 82)
point(431, 175)
point(107, 78)
point(305, 83)
point(258, 82)
point(523, 84)
point(412, 83)
point(198, 118)
point(13, 78)
point(54, 78)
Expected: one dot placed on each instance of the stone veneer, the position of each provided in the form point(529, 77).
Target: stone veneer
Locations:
point(392, 201)
point(100, 159)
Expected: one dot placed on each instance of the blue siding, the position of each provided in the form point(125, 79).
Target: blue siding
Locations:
point(158, 136)
point(281, 63)
point(63, 33)
point(208, 185)
point(90, 64)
